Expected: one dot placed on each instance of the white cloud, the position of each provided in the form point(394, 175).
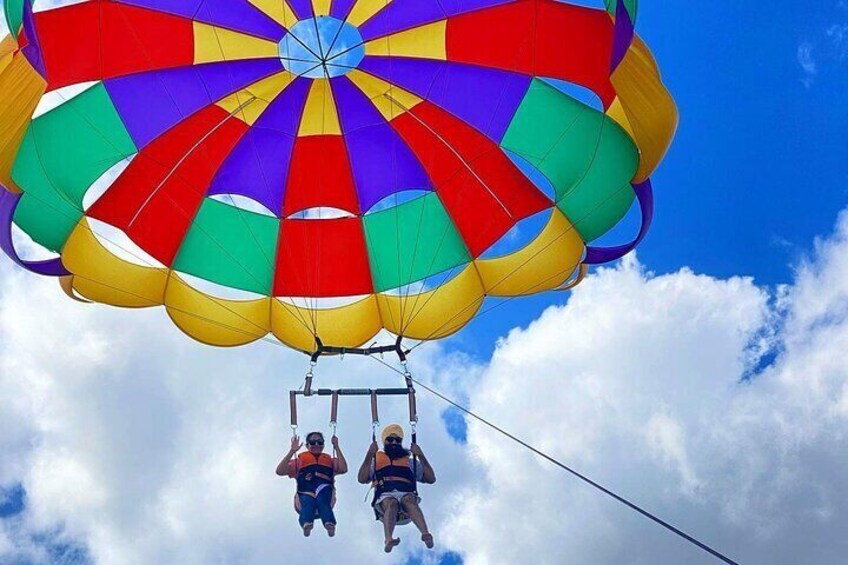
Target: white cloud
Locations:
point(145, 447)
point(639, 382)
point(830, 46)
point(808, 63)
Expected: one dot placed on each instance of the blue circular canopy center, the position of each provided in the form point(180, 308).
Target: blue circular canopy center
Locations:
point(321, 47)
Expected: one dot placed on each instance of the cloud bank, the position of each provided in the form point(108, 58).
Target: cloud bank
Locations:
point(717, 404)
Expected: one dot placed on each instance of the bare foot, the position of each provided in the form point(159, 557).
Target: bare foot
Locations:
point(390, 545)
point(331, 529)
point(428, 540)
point(307, 529)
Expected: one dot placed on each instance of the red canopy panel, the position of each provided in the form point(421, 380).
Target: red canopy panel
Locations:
point(99, 40)
point(542, 38)
point(320, 176)
point(156, 198)
point(322, 258)
point(484, 193)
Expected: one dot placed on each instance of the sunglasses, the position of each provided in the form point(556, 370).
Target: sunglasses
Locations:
point(315, 442)
point(391, 439)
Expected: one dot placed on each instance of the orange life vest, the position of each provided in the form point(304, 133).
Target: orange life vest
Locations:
point(392, 474)
point(313, 472)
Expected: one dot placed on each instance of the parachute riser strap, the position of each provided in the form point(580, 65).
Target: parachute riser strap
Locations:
point(375, 423)
point(334, 409)
point(414, 456)
point(321, 349)
point(307, 383)
point(413, 419)
point(334, 418)
point(293, 410)
point(375, 415)
point(410, 389)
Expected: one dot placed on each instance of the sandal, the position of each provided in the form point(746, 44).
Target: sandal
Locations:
point(428, 540)
point(391, 544)
point(331, 529)
point(307, 529)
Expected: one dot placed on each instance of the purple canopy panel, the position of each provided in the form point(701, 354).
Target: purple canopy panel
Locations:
point(286, 111)
point(645, 196)
point(341, 8)
point(624, 34)
point(456, 88)
point(32, 51)
point(356, 111)
point(237, 15)
point(8, 204)
point(405, 14)
point(381, 162)
point(302, 8)
point(258, 167)
point(179, 93)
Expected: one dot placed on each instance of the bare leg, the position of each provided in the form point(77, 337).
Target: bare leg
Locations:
point(411, 507)
point(390, 509)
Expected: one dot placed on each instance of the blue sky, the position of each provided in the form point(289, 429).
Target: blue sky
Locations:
point(759, 167)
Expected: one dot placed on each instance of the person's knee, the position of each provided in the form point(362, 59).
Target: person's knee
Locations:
point(410, 501)
point(390, 505)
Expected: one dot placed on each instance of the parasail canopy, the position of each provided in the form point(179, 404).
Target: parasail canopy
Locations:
point(323, 168)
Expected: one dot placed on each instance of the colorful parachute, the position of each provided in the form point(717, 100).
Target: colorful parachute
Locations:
point(344, 165)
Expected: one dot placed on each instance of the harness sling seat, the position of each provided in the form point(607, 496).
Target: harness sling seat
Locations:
point(392, 475)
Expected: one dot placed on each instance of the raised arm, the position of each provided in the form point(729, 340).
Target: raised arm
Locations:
point(429, 475)
point(284, 466)
point(341, 462)
point(364, 474)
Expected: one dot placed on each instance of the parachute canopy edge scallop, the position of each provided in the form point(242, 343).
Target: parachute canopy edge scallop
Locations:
point(324, 168)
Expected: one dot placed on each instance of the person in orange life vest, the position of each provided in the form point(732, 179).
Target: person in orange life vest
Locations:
point(315, 472)
point(394, 473)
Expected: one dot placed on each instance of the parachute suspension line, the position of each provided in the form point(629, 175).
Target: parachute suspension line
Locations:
point(182, 160)
point(577, 474)
point(261, 335)
point(214, 240)
point(336, 37)
point(369, 241)
point(539, 251)
point(572, 226)
point(519, 52)
point(326, 91)
point(146, 262)
point(318, 36)
point(265, 182)
point(403, 293)
point(408, 276)
point(537, 169)
point(240, 109)
point(567, 285)
point(456, 153)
